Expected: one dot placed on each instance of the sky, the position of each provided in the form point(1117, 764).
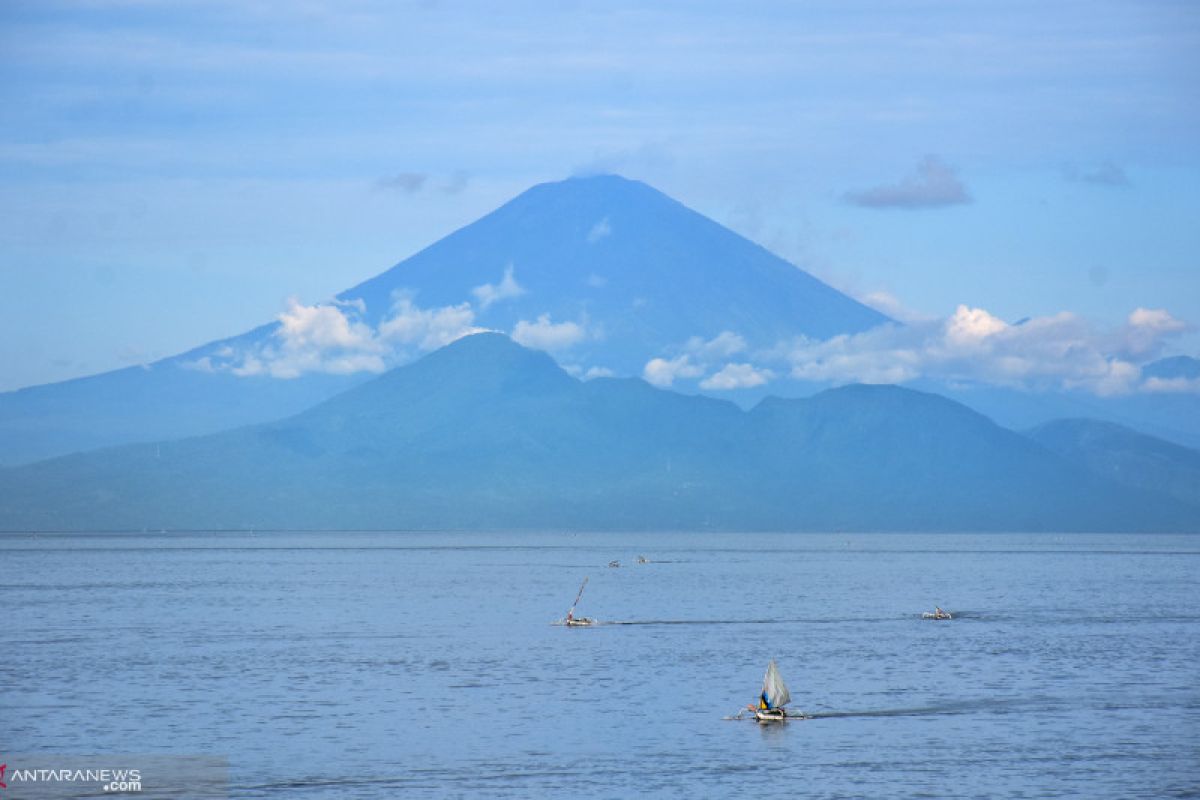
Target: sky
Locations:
point(174, 173)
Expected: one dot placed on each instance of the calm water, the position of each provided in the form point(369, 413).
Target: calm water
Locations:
point(377, 665)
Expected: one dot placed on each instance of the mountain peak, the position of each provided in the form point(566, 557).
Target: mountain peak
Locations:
point(597, 197)
point(598, 180)
point(601, 184)
point(612, 258)
point(467, 371)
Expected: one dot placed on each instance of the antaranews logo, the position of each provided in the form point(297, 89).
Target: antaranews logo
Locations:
point(110, 780)
point(59, 775)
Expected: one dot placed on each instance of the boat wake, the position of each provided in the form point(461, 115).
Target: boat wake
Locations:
point(724, 622)
point(939, 709)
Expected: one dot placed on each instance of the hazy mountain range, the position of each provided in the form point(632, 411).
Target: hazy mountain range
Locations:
point(379, 409)
point(487, 434)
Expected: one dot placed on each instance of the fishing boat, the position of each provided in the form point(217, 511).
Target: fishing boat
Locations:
point(614, 563)
point(573, 621)
point(937, 613)
point(774, 697)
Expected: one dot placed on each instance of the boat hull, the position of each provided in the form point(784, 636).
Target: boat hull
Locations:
point(771, 715)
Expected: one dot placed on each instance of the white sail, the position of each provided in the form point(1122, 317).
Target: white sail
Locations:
point(775, 692)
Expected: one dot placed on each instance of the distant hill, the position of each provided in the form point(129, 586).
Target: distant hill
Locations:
point(1125, 456)
point(636, 271)
point(1173, 416)
point(486, 434)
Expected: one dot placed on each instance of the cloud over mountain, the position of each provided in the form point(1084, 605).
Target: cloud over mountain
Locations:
point(333, 338)
point(1058, 352)
point(489, 293)
point(662, 372)
point(544, 334)
point(1062, 351)
point(737, 376)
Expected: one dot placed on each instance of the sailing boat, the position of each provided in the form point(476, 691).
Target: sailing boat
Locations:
point(572, 620)
point(774, 697)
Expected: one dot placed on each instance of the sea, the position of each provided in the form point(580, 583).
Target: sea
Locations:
point(396, 664)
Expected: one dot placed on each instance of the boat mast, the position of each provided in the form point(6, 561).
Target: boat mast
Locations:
point(571, 613)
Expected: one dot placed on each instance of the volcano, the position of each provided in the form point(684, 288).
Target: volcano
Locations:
point(605, 273)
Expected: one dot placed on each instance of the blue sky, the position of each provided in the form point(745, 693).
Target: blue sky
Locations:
point(173, 173)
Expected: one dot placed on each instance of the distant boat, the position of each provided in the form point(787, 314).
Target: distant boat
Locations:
point(614, 563)
point(937, 613)
point(578, 622)
point(774, 697)
point(643, 560)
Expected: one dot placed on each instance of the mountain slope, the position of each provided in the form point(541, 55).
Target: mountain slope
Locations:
point(1125, 456)
point(486, 434)
point(632, 272)
point(646, 269)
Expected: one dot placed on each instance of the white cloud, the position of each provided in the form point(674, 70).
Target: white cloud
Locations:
point(251, 365)
point(969, 328)
point(543, 334)
point(321, 327)
point(598, 372)
point(328, 338)
point(356, 303)
point(332, 338)
point(1171, 385)
point(737, 376)
point(662, 373)
point(1105, 377)
point(1146, 331)
point(427, 329)
point(490, 293)
point(597, 281)
point(699, 354)
point(317, 338)
point(888, 303)
point(721, 346)
point(202, 364)
point(599, 231)
point(1059, 351)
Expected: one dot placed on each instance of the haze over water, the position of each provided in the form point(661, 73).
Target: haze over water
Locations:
point(425, 665)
